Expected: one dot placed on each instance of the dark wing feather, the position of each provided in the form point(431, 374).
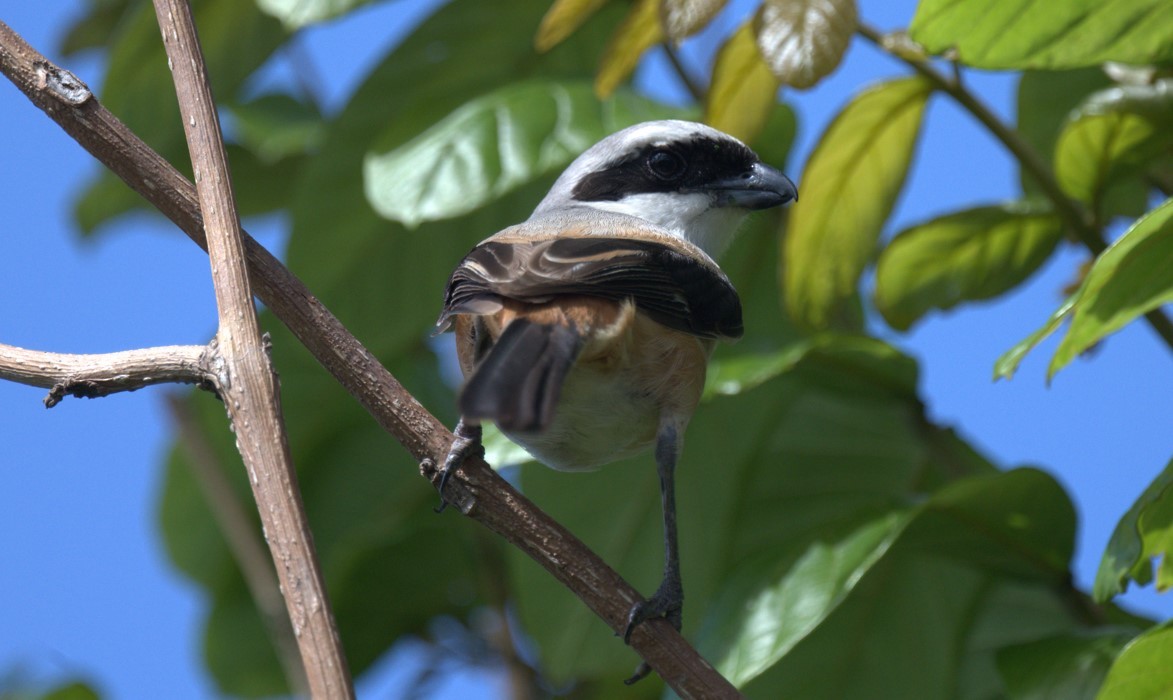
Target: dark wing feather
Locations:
point(672, 288)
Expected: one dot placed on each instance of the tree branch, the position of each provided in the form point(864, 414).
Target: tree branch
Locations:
point(1077, 218)
point(92, 376)
point(249, 385)
point(484, 496)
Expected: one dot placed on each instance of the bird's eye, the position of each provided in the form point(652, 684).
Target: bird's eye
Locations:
point(666, 165)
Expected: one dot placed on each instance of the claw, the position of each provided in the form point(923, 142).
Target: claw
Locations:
point(466, 444)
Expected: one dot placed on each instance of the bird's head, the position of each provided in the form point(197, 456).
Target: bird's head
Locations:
point(694, 181)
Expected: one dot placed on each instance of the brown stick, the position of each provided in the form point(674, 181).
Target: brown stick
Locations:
point(249, 385)
point(91, 376)
point(487, 498)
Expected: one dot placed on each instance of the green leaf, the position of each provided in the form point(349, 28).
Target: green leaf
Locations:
point(295, 14)
point(1141, 672)
point(562, 19)
point(781, 615)
point(1128, 279)
point(275, 126)
point(803, 41)
point(965, 256)
point(1064, 667)
point(74, 690)
point(1026, 34)
point(1139, 536)
point(971, 521)
point(639, 31)
point(95, 28)
point(493, 145)
point(848, 188)
point(236, 39)
point(1045, 98)
point(1114, 133)
point(1007, 364)
point(743, 90)
point(683, 18)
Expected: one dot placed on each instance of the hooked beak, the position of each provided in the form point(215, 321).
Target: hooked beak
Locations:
point(761, 187)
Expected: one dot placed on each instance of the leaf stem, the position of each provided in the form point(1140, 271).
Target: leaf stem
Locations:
point(1077, 218)
point(694, 89)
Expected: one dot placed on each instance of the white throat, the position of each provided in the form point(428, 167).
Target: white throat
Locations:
point(691, 217)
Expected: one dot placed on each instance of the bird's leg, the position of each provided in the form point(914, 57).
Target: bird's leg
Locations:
point(668, 600)
point(466, 444)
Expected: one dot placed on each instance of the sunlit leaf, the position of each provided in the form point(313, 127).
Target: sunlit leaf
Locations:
point(683, 18)
point(560, 21)
point(639, 31)
point(1044, 100)
point(1028, 34)
point(1128, 279)
point(493, 145)
point(968, 255)
point(804, 40)
point(1113, 133)
point(1141, 672)
point(1133, 544)
point(1069, 666)
point(743, 90)
point(1007, 364)
point(847, 191)
point(295, 14)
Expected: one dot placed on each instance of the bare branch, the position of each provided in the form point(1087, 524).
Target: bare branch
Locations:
point(486, 497)
point(249, 386)
point(92, 376)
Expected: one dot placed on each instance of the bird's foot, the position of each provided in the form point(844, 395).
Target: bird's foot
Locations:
point(466, 444)
point(668, 603)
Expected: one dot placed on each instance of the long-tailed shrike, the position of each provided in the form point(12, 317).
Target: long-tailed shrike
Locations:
point(584, 332)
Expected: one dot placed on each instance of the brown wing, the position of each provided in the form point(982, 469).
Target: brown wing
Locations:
point(672, 288)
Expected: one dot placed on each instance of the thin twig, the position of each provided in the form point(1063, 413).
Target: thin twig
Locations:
point(491, 500)
point(250, 389)
point(91, 376)
point(1078, 219)
point(690, 84)
point(243, 539)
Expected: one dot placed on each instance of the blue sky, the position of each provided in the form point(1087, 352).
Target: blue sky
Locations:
point(86, 588)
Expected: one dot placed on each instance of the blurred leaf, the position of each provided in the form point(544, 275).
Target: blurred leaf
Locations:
point(276, 125)
point(1045, 98)
point(639, 31)
point(1008, 363)
point(74, 690)
point(260, 186)
point(1064, 667)
point(848, 188)
point(107, 197)
point(965, 256)
point(1139, 536)
point(1141, 672)
point(1128, 279)
point(295, 14)
point(493, 145)
point(1113, 133)
point(236, 39)
point(804, 40)
point(560, 21)
point(95, 28)
point(683, 18)
point(743, 90)
point(1027, 34)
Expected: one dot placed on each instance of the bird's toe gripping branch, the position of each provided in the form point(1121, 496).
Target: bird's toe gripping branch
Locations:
point(466, 444)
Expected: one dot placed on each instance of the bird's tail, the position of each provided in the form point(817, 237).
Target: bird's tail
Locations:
point(518, 382)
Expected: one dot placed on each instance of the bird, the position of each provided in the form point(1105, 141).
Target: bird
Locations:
point(584, 332)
